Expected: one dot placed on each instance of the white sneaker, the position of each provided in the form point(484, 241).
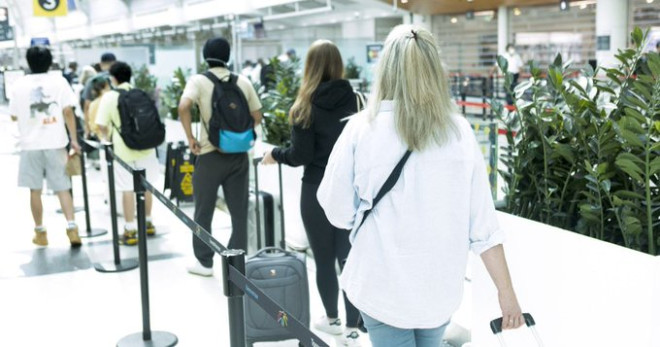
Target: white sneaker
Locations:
point(351, 338)
point(198, 269)
point(330, 326)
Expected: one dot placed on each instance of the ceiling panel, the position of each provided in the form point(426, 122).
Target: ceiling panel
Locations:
point(461, 6)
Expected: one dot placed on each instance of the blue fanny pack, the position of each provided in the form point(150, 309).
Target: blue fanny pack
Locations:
point(233, 142)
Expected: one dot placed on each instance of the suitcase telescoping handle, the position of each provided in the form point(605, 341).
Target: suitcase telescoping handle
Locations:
point(271, 250)
point(496, 327)
point(256, 162)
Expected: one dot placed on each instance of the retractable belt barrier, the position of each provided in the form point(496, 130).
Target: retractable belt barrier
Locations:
point(234, 273)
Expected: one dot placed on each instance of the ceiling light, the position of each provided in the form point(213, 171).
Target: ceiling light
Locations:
point(470, 0)
point(649, 1)
point(584, 6)
point(454, 20)
point(404, 1)
point(563, 5)
point(516, 11)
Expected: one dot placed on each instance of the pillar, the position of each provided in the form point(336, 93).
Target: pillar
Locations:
point(502, 29)
point(612, 25)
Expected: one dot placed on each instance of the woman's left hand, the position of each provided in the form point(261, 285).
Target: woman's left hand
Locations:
point(268, 158)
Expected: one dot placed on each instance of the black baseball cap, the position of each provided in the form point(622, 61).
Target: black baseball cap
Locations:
point(108, 58)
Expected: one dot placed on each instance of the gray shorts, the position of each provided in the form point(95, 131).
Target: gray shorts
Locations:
point(49, 164)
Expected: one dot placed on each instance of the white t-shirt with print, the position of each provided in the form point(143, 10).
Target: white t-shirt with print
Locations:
point(37, 101)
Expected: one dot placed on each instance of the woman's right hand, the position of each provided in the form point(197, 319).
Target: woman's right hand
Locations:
point(511, 313)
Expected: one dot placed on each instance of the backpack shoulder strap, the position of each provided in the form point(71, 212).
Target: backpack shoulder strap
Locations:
point(210, 75)
point(233, 78)
point(121, 93)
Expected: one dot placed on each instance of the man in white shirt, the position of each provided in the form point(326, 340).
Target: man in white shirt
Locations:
point(515, 64)
point(42, 103)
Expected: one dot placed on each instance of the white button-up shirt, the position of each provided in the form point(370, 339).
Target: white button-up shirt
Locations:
point(407, 263)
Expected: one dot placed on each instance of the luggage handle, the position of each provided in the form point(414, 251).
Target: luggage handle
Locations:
point(496, 327)
point(255, 163)
point(271, 250)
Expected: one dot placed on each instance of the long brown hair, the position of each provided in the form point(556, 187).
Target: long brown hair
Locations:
point(323, 63)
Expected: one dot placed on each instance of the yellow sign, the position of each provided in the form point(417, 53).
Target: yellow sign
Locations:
point(50, 8)
point(186, 167)
point(186, 185)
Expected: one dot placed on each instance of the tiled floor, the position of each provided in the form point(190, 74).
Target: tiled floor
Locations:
point(52, 296)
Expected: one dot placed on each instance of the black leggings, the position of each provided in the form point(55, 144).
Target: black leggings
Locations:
point(329, 245)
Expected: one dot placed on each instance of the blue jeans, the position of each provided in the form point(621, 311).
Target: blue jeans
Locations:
point(383, 335)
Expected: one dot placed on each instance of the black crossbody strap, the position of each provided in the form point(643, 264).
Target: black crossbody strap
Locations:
point(387, 186)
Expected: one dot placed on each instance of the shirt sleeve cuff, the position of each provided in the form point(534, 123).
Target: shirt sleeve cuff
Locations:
point(278, 154)
point(494, 239)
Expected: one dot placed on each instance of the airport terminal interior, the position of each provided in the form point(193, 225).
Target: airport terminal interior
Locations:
point(563, 98)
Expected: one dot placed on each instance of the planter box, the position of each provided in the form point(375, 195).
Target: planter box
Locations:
point(581, 291)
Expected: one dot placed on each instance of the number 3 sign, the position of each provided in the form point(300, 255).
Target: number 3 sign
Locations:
point(50, 8)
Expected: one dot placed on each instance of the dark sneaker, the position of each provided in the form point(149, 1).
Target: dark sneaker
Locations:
point(129, 238)
point(151, 229)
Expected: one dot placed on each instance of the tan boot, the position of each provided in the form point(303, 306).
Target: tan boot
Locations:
point(40, 238)
point(74, 238)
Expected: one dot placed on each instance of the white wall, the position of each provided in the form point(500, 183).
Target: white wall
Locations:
point(581, 291)
point(136, 56)
point(169, 59)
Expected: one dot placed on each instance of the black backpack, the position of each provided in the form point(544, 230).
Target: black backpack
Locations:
point(231, 127)
point(141, 127)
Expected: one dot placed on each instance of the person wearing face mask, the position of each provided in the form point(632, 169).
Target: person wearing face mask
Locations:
point(515, 65)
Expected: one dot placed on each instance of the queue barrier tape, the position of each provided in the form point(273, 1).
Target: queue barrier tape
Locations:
point(284, 318)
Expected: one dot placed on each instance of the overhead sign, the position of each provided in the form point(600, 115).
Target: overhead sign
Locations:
point(39, 41)
point(6, 32)
point(50, 8)
point(373, 52)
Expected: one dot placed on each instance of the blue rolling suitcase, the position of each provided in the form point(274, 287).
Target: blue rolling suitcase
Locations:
point(282, 275)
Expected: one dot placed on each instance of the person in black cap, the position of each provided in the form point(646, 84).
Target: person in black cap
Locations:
point(213, 167)
point(107, 60)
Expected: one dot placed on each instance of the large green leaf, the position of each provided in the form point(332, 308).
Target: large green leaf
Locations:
point(653, 60)
point(654, 166)
point(637, 36)
point(630, 169)
point(503, 63)
point(632, 138)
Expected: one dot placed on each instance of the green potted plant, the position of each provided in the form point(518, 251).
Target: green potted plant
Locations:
point(582, 154)
point(278, 99)
point(352, 70)
point(172, 95)
point(145, 81)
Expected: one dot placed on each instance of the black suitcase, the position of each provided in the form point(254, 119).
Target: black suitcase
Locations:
point(179, 169)
point(282, 275)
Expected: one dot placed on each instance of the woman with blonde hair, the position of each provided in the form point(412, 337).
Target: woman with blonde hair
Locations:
point(414, 162)
point(323, 100)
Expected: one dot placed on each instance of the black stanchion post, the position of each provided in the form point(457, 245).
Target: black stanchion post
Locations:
point(283, 241)
point(483, 96)
point(463, 98)
point(235, 258)
point(89, 232)
point(116, 265)
point(147, 337)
